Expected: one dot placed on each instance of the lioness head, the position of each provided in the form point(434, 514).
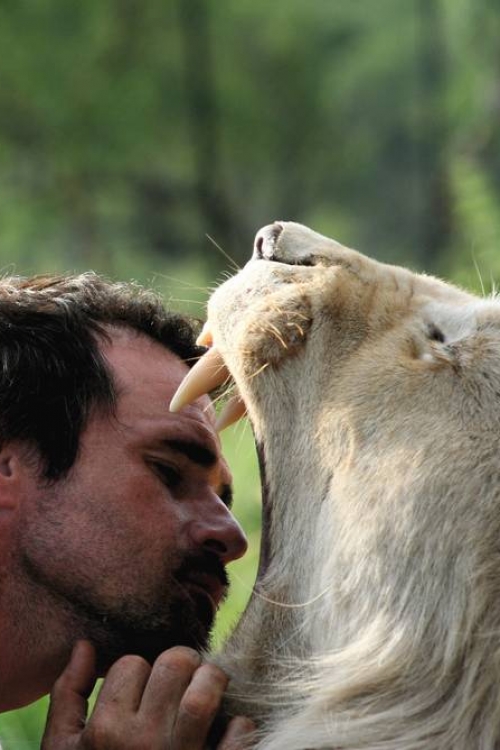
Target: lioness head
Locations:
point(374, 395)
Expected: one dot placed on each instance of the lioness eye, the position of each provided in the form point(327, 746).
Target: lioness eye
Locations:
point(435, 333)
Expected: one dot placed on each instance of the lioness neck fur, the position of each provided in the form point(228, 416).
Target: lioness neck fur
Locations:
point(374, 395)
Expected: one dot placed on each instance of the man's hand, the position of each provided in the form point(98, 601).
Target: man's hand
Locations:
point(170, 706)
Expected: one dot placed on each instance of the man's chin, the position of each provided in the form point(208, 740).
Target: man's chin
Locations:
point(151, 642)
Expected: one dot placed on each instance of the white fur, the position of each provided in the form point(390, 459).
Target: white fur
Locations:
point(376, 624)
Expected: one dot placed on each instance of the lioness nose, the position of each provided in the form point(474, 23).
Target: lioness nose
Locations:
point(265, 241)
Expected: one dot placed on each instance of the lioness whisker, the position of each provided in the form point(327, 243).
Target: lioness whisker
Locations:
point(226, 389)
point(233, 263)
point(284, 605)
point(479, 275)
point(277, 334)
point(181, 282)
point(179, 300)
point(195, 359)
point(299, 328)
point(493, 285)
point(241, 426)
point(257, 372)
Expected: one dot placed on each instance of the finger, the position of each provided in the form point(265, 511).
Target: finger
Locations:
point(172, 672)
point(199, 707)
point(122, 689)
point(68, 700)
point(238, 735)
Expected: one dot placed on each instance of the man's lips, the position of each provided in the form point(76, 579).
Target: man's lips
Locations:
point(204, 575)
point(207, 584)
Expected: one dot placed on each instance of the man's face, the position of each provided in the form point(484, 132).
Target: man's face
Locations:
point(129, 549)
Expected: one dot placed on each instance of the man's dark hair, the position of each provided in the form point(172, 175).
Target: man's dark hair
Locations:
point(52, 372)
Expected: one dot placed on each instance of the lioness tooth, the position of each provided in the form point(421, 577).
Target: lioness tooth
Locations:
point(233, 410)
point(205, 338)
point(209, 372)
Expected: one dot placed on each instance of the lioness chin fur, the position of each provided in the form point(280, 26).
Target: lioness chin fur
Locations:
point(374, 395)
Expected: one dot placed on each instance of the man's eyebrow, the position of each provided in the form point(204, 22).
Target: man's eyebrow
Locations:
point(197, 453)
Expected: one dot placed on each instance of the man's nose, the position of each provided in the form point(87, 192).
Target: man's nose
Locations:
point(219, 532)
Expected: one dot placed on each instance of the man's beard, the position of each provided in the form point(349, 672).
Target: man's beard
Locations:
point(187, 621)
point(170, 616)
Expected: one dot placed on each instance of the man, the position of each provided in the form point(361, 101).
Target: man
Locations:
point(114, 521)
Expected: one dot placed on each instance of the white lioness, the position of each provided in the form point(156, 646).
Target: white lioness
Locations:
point(374, 394)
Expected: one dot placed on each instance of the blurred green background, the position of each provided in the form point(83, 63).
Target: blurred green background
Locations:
point(150, 140)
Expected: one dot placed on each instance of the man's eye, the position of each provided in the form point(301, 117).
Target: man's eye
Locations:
point(168, 475)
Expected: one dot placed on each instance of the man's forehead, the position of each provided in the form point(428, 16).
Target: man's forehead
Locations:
point(128, 351)
point(147, 374)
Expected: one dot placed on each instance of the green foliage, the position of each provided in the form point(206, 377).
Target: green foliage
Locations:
point(23, 729)
point(478, 223)
point(129, 128)
point(239, 450)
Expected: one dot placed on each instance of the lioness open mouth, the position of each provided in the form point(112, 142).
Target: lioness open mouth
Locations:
point(373, 394)
point(211, 371)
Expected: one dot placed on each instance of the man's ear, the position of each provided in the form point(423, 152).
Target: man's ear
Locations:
point(6, 461)
point(11, 470)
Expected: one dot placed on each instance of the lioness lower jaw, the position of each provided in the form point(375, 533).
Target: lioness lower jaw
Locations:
point(374, 394)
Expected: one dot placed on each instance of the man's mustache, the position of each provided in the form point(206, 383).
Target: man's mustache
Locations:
point(202, 562)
